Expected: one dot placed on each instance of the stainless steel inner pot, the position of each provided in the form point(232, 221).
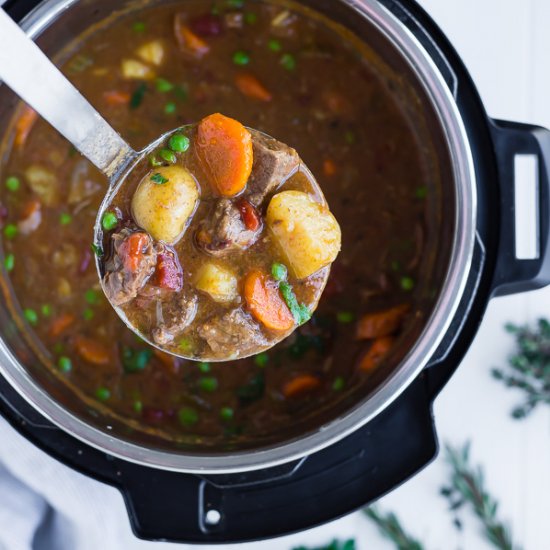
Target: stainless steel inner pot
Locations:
point(55, 23)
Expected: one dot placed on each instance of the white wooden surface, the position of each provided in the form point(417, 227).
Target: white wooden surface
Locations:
point(506, 45)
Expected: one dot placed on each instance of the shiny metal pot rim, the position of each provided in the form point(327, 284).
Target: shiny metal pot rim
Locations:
point(438, 324)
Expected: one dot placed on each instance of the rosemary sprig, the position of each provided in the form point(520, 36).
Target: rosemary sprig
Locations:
point(467, 486)
point(530, 367)
point(390, 526)
point(334, 545)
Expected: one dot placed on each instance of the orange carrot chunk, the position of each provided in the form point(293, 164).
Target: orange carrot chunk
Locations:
point(377, 351)
point(224, 149)
point(251, 87)
point(188, 41)
point(381, 323)
point(115, 97)
point(131, 250)
point(301, 384)
point(265, 302)
point(329, 168)
point(249, 215)
point(61, 324)
point(92, 351)
point(24, 125)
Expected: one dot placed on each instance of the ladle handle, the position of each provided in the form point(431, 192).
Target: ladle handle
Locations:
point(36, 80)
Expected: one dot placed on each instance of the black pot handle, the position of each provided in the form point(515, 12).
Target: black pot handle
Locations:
point(514, 275)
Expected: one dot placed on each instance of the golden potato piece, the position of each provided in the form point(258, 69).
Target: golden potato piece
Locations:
point(307, 233)
point(164, 201)
point(133, 69)
point(220, 283)
point(152, 52)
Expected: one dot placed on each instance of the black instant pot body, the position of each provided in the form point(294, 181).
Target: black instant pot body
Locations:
point(397, 443)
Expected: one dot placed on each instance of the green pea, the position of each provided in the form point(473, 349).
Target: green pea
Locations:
point(12, 183)
point(10, 231)
point(109, 221)
point(168, 156)
point(179, 143)
point(170, 108)
point(227, 413)
point(138, 26)
point(261, 360)
point(241, 58)
point(186, 346)
point(407, 283)
point(345, 317)
point(31, 316)
point(138, 406)
point(9, 262)
point(65, 219)
point(65, 364)
point(204, 367)
point(46, 310)
point(279, 272)
point(274, 45)
point(288, 61)
point(91, 296)
point(208, 384)
point(163, 85)
point(103, 394)
point(88, 314)
point(188, 416)
point(338, 384)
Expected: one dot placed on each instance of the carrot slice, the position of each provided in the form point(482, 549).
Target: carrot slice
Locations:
point(249, 215)
point(224, 149)
point(381, 323)
point(92, 351)
point(188, 41)
point(61, 324)
point(377, 351)
point(131, 250)
point(24, 125)
point(115, 97)
point(301, 384)
point(251, 87)
point(265, 302)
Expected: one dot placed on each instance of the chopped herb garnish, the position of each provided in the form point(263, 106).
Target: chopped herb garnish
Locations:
point(253, 390)
point(64, 364)
point(338, 384)
point(10, 231)
point(12, 183)
point(179, 143)
point(407, 283)
point(46, 310)
point(227, 413)
point(188, 416)
point(421, 192)
point(186, 346)
point(135, 360)
point(9, 262)
point(103, 394)
point(170, 108)
point(139, 26)
point(159, 179)
point(65, 219)
point(97, 250)
point(274, 45)
point(88, 314)
point(31, 316)
point(345, 317)
point(137, 406)
point(163, 85)
point(137, 96)
point(250, 18)
point(91, 296)
point(261, 360)
point(204, 367)
point(288, 61)
point(300, 312)
point(168, 155)
point(241, 58)
point(279, 272)
point(109, 221)
point(208, 384)
point(154, 161)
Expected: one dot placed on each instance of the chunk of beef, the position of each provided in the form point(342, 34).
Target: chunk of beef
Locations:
point(131, 264)
point(274, 163)
point(181, 313)
point(224, 230)
point(233, 331)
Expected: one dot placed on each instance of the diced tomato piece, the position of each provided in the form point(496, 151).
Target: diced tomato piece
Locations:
point(132, 249)
point(168, 274)
point(249, 215)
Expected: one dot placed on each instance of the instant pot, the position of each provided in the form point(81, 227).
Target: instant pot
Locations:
point(391, 435)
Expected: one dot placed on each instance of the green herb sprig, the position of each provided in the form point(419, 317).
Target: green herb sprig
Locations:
point(390, 527)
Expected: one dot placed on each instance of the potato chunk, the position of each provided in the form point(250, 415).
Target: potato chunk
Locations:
point(134, 69)
point(217, 281)
point(164, 202)
point(307, 233)
point(151, 52)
